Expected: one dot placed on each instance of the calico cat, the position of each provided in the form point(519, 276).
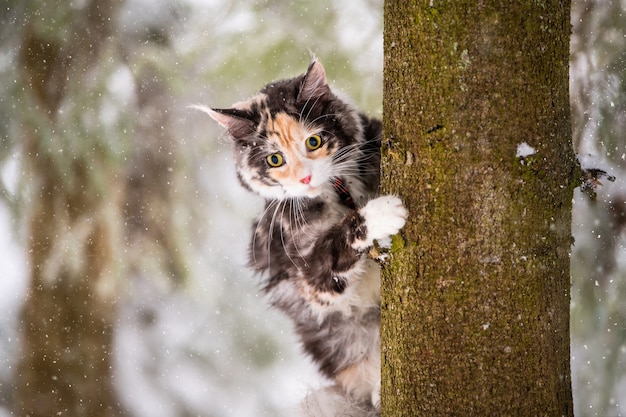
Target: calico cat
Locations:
point(315, 160)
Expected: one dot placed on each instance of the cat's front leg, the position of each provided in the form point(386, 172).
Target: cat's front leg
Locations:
point(382, 217)
point(330, 266)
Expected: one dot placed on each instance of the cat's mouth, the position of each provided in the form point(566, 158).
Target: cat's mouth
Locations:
point(339, 186)
point(313, 191)
point(302, 190)
point(312, 187)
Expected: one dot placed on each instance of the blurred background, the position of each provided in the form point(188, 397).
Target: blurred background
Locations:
point(100, 154)
point(598, 267)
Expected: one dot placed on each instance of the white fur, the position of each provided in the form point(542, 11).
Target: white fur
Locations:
point(332, 402)
point(384, 216)
point(363, 291)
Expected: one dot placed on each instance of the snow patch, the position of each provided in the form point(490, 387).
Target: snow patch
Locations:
point(524, 150)
point(589, 161)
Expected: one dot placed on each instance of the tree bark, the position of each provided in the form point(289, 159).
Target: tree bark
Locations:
point(475, 306)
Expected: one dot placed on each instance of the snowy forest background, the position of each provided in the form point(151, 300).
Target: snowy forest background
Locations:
point(192, 335)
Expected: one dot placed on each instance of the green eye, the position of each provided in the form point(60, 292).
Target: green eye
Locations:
point(313, 142)
point(275, 160)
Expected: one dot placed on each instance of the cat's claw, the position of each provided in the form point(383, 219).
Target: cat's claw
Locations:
point(384, 216)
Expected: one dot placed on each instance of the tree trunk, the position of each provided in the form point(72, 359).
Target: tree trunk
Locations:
point(475, 308)
point(68, 316)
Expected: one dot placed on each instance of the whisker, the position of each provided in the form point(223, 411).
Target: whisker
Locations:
point(322, 116)
point(258, 226)
point(295, 206)
point(271, 233)
point(301, 218)
point(282, 236)
point(355, 159)
point(337, 168)
point(312, 106)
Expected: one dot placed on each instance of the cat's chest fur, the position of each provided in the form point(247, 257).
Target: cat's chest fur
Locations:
point(286, 237)
point(309, 219)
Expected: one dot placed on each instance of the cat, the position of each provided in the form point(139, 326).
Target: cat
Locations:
point(315, 159)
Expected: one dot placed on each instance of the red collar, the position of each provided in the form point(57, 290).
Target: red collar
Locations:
point(342, 191)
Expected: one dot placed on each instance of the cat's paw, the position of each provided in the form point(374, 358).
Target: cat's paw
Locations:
point(383, 217)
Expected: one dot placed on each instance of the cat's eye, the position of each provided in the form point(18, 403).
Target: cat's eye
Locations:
point(313, 142)
point(275, 160)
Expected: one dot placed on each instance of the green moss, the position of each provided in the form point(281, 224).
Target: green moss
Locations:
point(397, 243)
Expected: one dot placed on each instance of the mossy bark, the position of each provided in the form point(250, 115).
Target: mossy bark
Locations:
point(475, 308)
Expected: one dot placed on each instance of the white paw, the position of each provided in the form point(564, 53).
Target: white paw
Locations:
point(384, 216)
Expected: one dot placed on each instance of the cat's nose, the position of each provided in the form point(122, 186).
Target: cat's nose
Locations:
point(306, 179)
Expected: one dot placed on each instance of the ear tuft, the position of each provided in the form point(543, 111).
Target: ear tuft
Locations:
point(234, 120)
point(220, 118)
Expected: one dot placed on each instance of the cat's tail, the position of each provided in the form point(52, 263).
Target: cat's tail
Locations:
point(333, 402)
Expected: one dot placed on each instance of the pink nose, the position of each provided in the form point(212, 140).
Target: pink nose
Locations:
point(306, 179)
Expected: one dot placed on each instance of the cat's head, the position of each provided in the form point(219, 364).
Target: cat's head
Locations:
point(293, 137)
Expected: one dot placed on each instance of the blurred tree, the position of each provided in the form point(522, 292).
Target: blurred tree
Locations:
point(475, 309)
point(598, 96)
point(155, 170)
point(68, 317)
point(74, 76)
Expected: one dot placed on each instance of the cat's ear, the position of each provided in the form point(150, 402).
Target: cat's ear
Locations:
point(314, 84)
point(236, 121)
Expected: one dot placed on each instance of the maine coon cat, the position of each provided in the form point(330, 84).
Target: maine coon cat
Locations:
point(315, 160)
